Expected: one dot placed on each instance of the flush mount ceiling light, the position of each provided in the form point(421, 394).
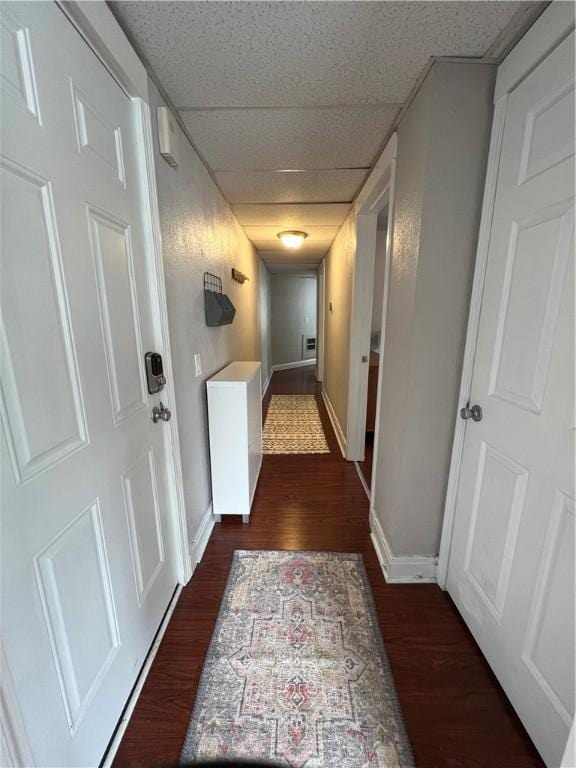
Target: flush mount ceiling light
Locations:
point(292, 238)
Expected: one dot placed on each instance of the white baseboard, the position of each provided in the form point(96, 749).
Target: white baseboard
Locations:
point(401, 569)
point(137, 690)
point(340, 436)
point(297, 364)
point(202, 536)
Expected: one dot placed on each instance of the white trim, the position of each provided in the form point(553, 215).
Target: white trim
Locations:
point(546, 33)
point(174, 461)
point(296, 364)
point(202, 536)
point(97, 25)
point(340, 436)
point(377, 192)
point(400, 569)
point(385, 292)
point(363, 481)
point(471, 334)
point(137, 690)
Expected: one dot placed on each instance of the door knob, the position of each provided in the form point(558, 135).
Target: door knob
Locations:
point(474, 413)
point(161, 413)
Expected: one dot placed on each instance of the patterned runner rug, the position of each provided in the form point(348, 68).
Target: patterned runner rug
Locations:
point(293, 426)
point(296, 673)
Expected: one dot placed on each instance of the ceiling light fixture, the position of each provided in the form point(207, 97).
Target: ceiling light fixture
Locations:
point(292, 238)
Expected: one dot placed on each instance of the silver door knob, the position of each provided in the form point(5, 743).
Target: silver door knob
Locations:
point(474, 413)
point(161, 413)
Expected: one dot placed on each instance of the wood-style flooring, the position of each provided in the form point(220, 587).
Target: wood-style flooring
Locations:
point(455, 711)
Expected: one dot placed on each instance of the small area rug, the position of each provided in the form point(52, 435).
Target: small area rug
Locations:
point(293, 426)
point(296, 673)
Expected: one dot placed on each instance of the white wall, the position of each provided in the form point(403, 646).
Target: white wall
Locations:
point(442, 150)
point(294, 302)
point(199, 233)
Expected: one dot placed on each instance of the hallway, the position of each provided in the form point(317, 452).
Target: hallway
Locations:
point(455, 711)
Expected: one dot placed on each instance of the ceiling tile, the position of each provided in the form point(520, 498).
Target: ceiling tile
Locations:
point(288, 261)
point(329, 186)
point(316, 234)
point(270, 246)
point(304, 53)
point(301, 270)
point(292, 216)
point(263, 139)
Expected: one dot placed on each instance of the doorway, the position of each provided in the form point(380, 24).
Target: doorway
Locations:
point(294, 311)
point(374, 211)
point(376, 325)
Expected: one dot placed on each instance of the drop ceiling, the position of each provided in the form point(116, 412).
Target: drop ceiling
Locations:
point(289, 103)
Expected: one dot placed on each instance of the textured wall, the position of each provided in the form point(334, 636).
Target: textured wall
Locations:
point(293, 314)
point(442, 150)
point(339, 264)
point(199, 233)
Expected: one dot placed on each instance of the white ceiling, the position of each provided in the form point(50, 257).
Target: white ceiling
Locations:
point(289, 103)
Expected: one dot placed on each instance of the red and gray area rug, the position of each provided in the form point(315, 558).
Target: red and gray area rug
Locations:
point(296, 673)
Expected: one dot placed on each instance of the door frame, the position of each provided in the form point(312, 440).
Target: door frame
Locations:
point(555, 24)
point(102, 33)
point(377, 192)
point(321, 277)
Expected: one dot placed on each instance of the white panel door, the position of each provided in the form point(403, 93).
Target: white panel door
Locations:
point(87, 565)
point(511, 569)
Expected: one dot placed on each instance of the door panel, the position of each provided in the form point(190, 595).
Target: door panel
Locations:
point(550, 633)
point(35, 332)
point(96, 136)
point(500, 488)
point(144, 523)
point(78, 606)
point(512, 565)
point(87, 562)
point(114, 266)
point(534, 275)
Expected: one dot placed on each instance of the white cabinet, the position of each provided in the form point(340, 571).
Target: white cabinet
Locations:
point(235, 426)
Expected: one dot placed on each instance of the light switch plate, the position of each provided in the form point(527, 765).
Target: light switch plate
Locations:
point(198, 364)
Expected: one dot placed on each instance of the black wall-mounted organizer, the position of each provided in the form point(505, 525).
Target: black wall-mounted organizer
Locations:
point(218, 307)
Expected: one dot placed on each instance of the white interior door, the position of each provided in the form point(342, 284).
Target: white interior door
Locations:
point(511, 569)
point(87, 564)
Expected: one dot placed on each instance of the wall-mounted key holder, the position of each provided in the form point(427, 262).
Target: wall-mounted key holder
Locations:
point(154, 372)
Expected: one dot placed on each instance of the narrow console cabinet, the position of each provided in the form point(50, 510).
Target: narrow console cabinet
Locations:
point(235, 427)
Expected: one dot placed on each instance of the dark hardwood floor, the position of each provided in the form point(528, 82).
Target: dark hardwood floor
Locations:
point(455, 711)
